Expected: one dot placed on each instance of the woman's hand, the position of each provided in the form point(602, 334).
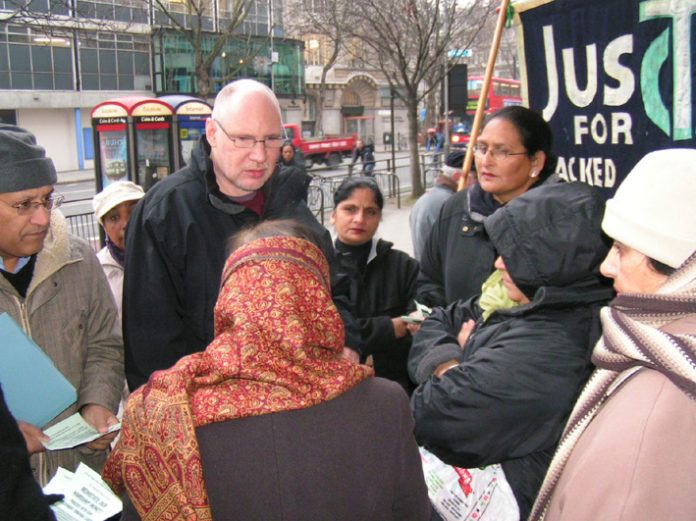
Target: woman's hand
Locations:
point(33, 436)
point(101, 419)
point(351, 355)
point(413, 327)
point(465, 332)
point(400, 327)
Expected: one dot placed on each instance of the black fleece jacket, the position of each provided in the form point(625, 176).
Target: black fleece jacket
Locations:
point(175, 251)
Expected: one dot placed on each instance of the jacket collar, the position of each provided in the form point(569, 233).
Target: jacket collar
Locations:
point(55, 252)
point(480, 204)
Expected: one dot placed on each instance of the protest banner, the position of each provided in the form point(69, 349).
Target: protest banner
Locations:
point(615, 79)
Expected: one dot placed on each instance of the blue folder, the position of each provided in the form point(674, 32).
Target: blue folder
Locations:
point(35, 390)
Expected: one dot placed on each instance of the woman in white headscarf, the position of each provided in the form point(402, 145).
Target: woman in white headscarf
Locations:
point(629, 450)
point(112, 207)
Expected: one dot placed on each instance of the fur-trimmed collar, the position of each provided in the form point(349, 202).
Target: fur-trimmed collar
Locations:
point(55, 252)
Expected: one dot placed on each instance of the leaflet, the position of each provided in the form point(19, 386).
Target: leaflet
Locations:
point(86, 496)
point(419, 315)
point(73, 431)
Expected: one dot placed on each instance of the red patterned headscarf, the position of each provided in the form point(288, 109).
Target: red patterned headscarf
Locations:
point(277, 347)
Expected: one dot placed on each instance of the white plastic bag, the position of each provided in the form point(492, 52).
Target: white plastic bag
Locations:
point(468, 494)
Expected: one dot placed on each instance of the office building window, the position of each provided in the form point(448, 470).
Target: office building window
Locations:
point(130, 11)
point(9, 117)
point(33, 60)
point(240, 58)
point(56, 7)
point(115, 62)
point(178, 11)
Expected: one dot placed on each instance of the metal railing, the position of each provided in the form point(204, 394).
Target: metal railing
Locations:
point(315, 201)
point(390, 184)
point(85, 225)
point(431, 166)
point(325, 180)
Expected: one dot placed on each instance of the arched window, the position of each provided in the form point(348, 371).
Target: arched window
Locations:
point(351, 99)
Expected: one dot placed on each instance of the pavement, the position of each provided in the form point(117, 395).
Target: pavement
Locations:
point(394, 226)
point(75, 176)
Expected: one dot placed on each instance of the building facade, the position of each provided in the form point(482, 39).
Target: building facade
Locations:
point(357, 97)
point(58, 60)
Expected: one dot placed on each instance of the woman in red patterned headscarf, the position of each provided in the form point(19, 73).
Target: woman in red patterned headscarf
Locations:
point(318, 444)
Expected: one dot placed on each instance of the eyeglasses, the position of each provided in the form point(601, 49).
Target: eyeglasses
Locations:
point(250, 142)
point(499, 154)
point(28, 207)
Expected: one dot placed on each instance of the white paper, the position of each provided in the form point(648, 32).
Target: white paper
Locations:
point(468, 494)
point(73, 431)
point(87, 497)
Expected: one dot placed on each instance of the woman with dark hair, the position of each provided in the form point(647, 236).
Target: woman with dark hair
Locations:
point(270, 422)
point(290, 157)
point(628, 450)
point(513, 154)
point(499, 372)
point(290, 164)
point(381, 281)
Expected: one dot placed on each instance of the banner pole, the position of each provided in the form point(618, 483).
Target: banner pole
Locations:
point(481, 106)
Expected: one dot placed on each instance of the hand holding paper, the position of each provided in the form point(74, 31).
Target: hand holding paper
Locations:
point(74, 431)
point(102, 420)
point(33, 437)
point(419, 315)
point(87, 497)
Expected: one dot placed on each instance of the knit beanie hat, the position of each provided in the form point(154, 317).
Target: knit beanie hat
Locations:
point(116, 193)
point(453, 163)
point(24, 164)
point(653, 209)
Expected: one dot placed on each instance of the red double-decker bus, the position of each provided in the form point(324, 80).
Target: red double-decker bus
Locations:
point(502, 92)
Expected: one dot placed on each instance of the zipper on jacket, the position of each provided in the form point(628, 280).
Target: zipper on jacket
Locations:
point(24, 317)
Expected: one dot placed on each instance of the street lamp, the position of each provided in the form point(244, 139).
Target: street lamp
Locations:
point(393, 136)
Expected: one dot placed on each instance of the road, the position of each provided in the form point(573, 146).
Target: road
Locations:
point(383, 160)
point(78, 197)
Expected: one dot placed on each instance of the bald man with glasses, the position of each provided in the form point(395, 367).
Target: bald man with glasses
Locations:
point(53, 287)
point(176, 237)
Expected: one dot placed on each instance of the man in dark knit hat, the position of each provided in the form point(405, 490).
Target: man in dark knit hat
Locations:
point(53, 287)
point(426, 209)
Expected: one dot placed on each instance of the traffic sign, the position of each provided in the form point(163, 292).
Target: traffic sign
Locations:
point(459, 53)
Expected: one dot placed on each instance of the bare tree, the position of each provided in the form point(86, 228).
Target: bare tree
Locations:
point(409, 40)
point(326, 19)
point(15, 11)
point(197, 22)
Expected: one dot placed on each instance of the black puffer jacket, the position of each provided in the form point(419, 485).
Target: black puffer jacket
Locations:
point(521, 370)
point(382, 291)
point(458, 256)
point(296, 179)
point(175, 252)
